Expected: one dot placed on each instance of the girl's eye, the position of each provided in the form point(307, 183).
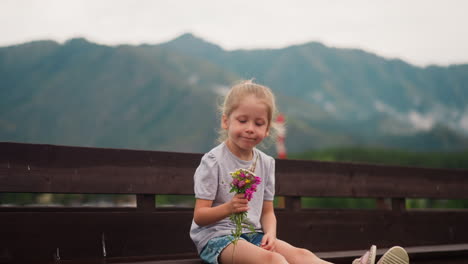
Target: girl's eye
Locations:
point(259, 123)
point(242, 121)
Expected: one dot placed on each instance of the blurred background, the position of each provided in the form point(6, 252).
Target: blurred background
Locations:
point(361, 81)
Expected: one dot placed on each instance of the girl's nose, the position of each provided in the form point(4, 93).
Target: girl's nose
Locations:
point(250, 127)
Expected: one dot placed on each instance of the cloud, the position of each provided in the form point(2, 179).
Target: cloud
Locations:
point(329, 107)
point(417, 121)
point(464, 121)
point(317, 96)
point(384, 108)
point(220, 90)
point(417, 31)
point(421, 122)
point(193, 79)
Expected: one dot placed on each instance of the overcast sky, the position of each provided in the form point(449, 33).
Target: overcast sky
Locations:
point(420, 32)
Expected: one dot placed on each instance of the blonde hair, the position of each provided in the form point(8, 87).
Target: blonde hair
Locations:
point(241, 90)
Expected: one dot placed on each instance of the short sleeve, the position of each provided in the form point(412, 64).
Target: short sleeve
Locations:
point(206, 178)
point(270, 181)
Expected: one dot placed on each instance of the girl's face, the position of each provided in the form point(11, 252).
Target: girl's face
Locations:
point(246, 126)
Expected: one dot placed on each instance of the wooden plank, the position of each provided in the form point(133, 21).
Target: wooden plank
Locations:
point(449, 254)
point(162, 233)
point(36, 236)
point(193, 260)
point(332, 230)
point(56, 156)
point(177, 261)
point(338, 179)
point(104, 180)
point(59, 169)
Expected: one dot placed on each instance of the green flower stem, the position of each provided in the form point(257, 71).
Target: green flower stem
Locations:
point(238, 219)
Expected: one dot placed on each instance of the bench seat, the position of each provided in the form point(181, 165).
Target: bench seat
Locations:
point(436, 254)
point(150, 233)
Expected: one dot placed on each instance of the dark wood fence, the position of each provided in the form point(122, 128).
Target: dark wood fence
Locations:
point(150, 233)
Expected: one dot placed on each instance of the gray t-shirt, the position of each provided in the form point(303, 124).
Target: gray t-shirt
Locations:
point(212, 181)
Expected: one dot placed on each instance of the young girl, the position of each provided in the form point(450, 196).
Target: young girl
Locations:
point(247, 115)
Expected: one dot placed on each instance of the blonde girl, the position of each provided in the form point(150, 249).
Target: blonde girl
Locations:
point(246, 120)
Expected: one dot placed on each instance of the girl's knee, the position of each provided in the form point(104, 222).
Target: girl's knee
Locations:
point(302, 254)
point(272, 257)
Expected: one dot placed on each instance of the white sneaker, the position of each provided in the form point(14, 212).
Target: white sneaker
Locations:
point(368, 257)
point(395, 255)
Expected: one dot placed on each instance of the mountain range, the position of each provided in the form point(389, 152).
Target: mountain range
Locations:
point(166, 96)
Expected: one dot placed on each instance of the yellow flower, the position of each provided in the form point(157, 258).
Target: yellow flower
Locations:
point(247, 181)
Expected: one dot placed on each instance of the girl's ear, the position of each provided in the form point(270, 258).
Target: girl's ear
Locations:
point(224, 122)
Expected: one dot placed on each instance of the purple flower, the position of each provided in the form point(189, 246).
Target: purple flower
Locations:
point(235, 182)
point(254, 187)
point(248, 194)
point(241, 184)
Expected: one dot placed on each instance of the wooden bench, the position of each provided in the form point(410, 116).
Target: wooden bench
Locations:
point(152, 234)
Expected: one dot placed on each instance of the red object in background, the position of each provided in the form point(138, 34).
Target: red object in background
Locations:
point(280, 147)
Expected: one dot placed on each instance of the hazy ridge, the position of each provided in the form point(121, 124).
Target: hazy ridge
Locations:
point(163, 97)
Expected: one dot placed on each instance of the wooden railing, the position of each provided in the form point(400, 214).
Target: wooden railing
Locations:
point(148, 232)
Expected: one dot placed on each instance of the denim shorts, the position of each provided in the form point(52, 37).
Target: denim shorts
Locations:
point(210, 253)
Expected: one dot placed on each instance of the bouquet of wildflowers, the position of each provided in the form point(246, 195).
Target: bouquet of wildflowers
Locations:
point(243, 181)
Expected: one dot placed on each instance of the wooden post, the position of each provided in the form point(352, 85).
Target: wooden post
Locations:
point(382, 204)
point(146, 202)
point(293, 203)
point(398, 205)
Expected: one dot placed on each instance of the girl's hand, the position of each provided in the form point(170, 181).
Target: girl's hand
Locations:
point(268, 242)
point(238, 204)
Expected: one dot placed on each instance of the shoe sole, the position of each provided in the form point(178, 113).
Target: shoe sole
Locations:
point(372, 254)
point(395, 255)
point(371, 258)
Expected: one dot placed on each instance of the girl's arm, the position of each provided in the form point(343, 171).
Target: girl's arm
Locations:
point(268, 221)
point(204, 214)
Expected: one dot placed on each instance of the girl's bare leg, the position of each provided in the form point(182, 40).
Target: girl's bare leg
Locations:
point(247, 253)
point(296, 255)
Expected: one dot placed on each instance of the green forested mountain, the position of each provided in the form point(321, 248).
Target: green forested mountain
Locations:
point(81, 93)
point(388, 156)
point(164, 96)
